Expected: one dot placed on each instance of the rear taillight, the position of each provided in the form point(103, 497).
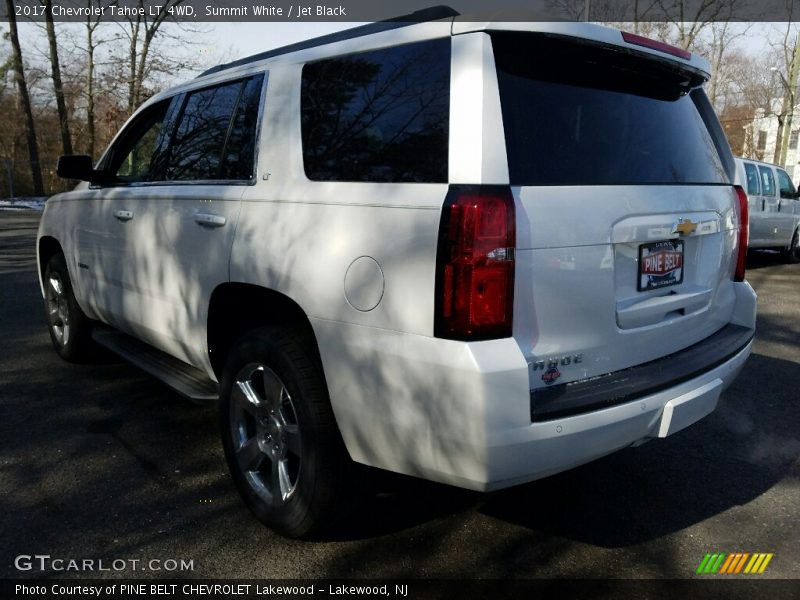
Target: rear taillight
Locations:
point(475, 264)
point(744, 226)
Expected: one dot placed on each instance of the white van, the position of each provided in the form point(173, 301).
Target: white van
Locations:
point(475, 252)
point(774, 207)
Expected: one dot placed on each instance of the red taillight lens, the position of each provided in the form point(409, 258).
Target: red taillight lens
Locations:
point(639, 40)
point(475, 264)
point(744, 233)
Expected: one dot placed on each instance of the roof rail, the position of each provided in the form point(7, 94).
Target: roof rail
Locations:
point(433, 13)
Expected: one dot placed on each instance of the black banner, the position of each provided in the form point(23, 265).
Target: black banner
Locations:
point(250, 589)
point(377, 10)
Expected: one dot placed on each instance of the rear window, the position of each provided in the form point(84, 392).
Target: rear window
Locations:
point(576, 114)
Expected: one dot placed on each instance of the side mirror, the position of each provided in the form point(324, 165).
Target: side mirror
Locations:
point(78, 166)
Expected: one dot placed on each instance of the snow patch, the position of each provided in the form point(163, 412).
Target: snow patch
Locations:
point(34, 203)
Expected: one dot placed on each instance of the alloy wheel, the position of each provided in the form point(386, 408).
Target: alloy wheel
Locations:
point(58, 308)
point(266, 434)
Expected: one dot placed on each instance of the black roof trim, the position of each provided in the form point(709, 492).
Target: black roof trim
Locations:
point(433, 13)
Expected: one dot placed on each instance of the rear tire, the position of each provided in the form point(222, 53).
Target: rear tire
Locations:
point(792, 254)
point(279, 434)
point(70, 329)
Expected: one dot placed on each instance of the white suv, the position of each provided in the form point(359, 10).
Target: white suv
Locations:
point(477, 253)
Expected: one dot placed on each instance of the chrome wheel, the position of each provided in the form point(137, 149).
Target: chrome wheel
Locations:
point(58, 308)
point(266, 435)
point(279, 433)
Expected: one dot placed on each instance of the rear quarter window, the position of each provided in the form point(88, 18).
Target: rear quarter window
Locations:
point(751, 172)
point(586, 115)
point(380, 116)
point(785, 185)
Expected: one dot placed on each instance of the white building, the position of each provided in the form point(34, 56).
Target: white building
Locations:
point(761, 138)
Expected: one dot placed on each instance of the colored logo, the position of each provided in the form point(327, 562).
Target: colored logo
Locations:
point(734, 564)
point(551, 375)
point(685, 227)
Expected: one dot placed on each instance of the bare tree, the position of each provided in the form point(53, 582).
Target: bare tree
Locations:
point(92, 44)
point(142, 31)
point(789, 52)
point(745, 99)
point(691, 17)
point(55, 64)
point(25, 101)
point(723, 35)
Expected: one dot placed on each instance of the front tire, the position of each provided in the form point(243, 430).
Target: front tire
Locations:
point(279, 434)
point(70, 329)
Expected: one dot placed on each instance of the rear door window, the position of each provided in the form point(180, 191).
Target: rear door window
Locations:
point(753, 188)
point(215, 135)
point(587, 115)
point(767, 181)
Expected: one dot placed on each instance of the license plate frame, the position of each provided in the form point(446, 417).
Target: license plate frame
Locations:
point(661, 264)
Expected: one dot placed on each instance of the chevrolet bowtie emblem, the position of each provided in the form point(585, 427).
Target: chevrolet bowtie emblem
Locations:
point(685, 227)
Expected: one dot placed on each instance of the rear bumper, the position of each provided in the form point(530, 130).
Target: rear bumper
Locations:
point(580, 397)
point(560, 444)
point(460, 413)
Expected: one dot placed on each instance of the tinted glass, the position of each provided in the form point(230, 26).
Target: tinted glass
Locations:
point(238, 158)
point(785, 184)
point(215, 135)
point(133, 156)
point(752, 179)
point(378, 116)
point(586, 115)
point(767, 181)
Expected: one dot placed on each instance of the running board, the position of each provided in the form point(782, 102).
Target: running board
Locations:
point(184, 379)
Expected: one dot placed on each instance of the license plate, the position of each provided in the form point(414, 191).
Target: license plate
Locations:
point(660, 265)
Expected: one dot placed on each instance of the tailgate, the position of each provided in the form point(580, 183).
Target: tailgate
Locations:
point(626, 216)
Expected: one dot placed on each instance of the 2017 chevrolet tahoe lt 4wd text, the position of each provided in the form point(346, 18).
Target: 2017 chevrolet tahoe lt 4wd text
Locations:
point(474, 252)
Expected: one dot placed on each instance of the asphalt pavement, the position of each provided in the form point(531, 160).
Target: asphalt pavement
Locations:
point(103, 462)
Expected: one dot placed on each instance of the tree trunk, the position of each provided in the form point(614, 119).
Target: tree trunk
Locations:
point(61, 106)
point(90, 87)
point(22, 86)
point(139, 56)
point(132, 51)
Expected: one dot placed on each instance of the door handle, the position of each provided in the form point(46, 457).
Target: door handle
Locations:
point(123, 215)
point(209, 220)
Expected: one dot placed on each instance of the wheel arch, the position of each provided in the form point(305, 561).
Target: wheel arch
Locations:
point(237, 308)
point(48, 247)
